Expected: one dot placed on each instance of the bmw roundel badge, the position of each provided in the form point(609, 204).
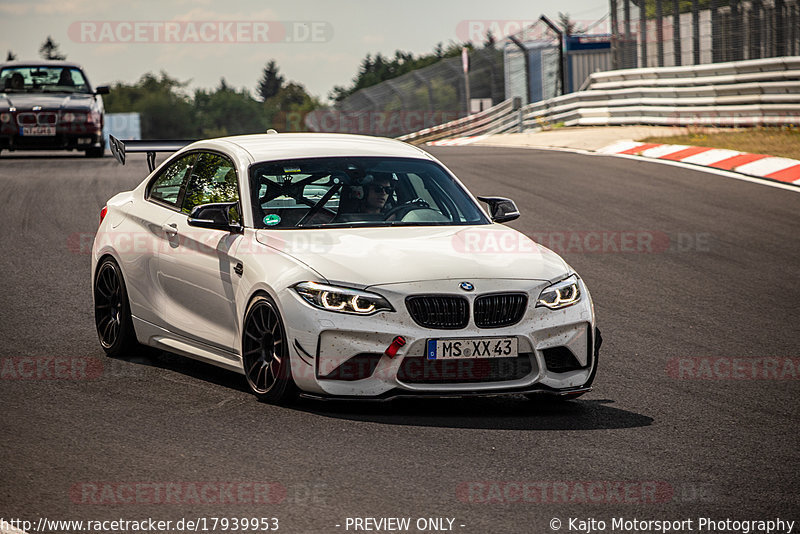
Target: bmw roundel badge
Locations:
point(466, 286)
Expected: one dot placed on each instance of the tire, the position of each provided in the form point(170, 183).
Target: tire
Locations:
point(95, 152)
point(265, 352)
point(112, 311)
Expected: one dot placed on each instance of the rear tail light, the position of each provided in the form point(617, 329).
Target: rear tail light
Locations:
point(103, 213)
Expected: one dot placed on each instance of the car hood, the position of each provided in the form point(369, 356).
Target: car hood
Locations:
point(366, 257)
point(50, 101)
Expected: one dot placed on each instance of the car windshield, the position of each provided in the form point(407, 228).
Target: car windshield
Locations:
point(43, 79)
point(358, 191)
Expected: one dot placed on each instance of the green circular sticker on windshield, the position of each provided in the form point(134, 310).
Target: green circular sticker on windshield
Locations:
point(272, 220)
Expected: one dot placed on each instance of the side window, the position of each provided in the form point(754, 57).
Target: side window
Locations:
point(213, 180)
point(167, 187)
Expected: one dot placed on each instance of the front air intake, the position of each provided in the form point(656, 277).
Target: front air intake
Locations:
point(560, 360)
point(499, 310)
point(445, 312)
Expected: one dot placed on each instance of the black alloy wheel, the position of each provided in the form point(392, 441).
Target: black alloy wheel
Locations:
point(265, 352)
point(112, 314)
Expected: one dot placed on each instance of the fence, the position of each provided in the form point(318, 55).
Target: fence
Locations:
point(438, 88)
point(658, 33)
point(743, 93)
point(497, 119)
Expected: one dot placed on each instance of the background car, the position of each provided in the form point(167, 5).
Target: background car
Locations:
point(256, 253)
point(50, 105)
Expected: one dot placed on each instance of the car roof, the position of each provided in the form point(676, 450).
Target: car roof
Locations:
point(40, 63)
point(273, 146)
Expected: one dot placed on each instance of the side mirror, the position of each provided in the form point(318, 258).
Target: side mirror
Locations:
point(101, 90)
point(502, 209)
point(215, 216)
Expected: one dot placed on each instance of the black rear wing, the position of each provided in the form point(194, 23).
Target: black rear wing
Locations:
point(120, 148)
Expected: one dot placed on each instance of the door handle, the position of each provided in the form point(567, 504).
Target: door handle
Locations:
point(170, 229)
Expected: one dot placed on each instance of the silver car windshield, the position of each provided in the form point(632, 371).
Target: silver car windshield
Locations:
point(43, 79)
point(358, 192)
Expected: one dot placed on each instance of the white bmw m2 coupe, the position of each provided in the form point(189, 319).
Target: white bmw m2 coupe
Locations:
point(336, 266)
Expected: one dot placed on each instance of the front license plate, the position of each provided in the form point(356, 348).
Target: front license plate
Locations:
point(38, 130)
point(457, 349)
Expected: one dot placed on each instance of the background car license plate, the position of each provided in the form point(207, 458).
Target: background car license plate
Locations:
point(38, 130)
point(453, 349)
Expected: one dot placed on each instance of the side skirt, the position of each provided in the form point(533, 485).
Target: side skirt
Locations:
point(154, 336)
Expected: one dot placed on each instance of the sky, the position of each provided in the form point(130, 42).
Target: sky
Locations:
point(317, 43)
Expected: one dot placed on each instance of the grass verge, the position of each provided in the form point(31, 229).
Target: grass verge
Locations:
point(783, 142)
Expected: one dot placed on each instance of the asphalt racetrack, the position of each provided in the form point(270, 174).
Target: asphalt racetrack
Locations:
point(694, 413)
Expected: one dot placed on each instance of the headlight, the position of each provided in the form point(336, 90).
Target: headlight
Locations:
point(342, 299)
point(74, 117)
point(561, 294)
point(5, 117)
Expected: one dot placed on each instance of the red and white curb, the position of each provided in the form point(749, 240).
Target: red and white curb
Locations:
point(781, 169)
point(457, 141)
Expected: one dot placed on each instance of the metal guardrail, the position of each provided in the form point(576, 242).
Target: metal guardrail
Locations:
point(693, 75)
point(476, 124)
point(743, 93)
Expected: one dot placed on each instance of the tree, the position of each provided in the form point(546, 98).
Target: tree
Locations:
point(490, 40)
point(292, 97)
point(286, 110)
point(11, 56)
point(568, 25)
point(49, 50)
point(169, 110)
point(377, 69)
point(227, 111)
point(166, 112)
point(270, 82)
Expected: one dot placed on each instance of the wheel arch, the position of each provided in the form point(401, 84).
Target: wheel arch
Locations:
point(95, 268)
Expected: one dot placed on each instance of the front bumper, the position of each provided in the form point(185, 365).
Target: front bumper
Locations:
point(63, 141)
point(398, 393)
point(339, 355)
point(68, 136)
